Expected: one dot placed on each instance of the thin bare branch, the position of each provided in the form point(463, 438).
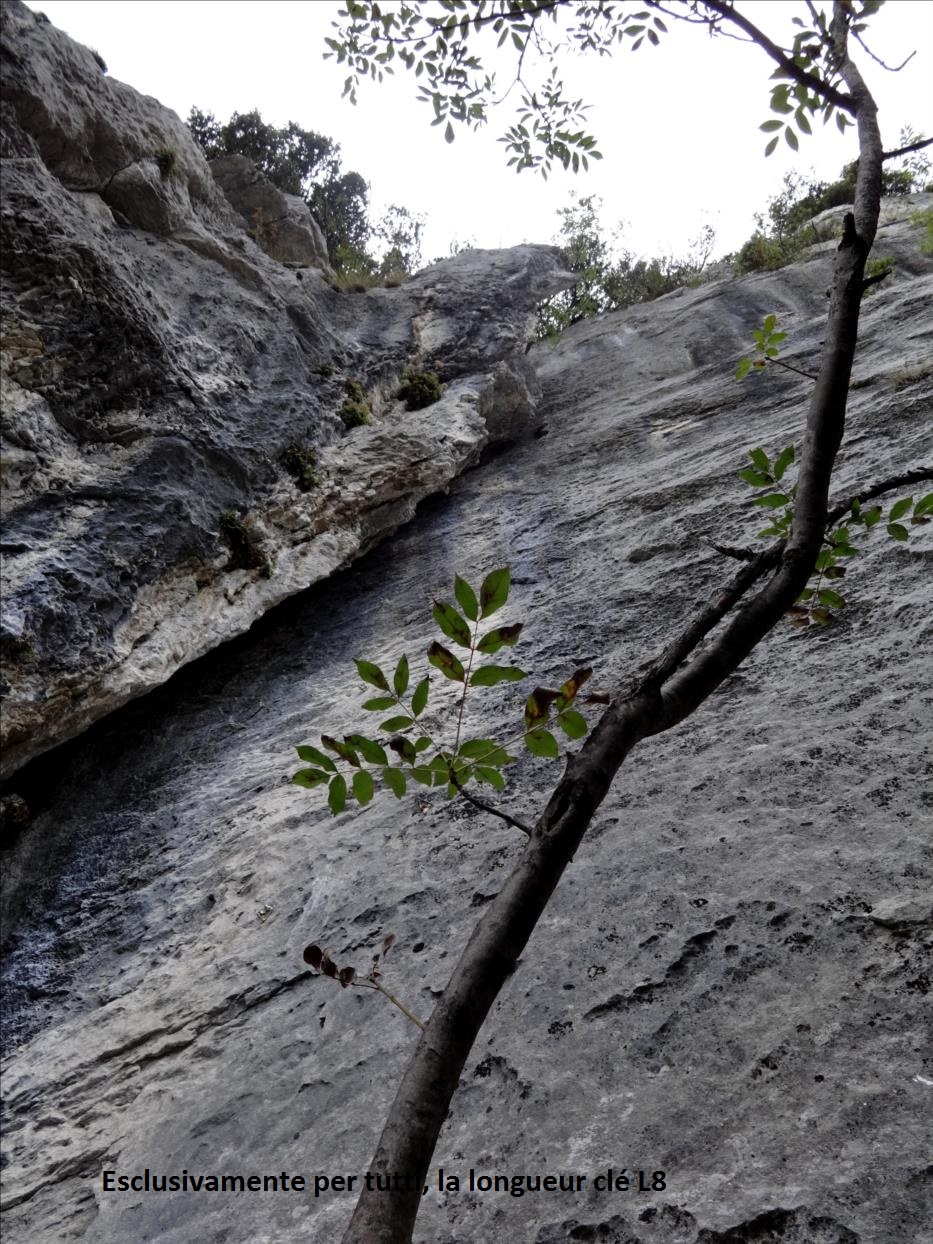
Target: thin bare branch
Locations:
point(877, 59)
point(917, 146)
point(494, 811)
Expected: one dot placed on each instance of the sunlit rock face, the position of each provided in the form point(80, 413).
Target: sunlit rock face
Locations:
point(730, 985)
point(161, 371)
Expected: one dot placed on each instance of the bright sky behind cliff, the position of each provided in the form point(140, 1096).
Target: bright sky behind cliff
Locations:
point(678, 124)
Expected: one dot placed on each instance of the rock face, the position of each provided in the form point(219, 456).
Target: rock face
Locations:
point(280, 223)
point(732, 983)
point(162, 372)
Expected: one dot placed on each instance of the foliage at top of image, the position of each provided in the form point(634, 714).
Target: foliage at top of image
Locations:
point(302, 162)
point(550, 128)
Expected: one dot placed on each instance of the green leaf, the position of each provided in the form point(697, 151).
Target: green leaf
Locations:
point(897, 532)
point(395, 780)
point(501, 637)
point(831, 599)
point(770, 322)
point(440, 770)
point(452, 624)
point(423, 774)
point(421, 743)
point(770, 126)
point(495, 591)
point(372, 674)
point(362, 787)
point(342, 750)
point(380, 703)
point(900, 508)
point(757, 479)
point(313, 756)
point(466, 598)
point(400, 678)
point(310, 778)
point(371, 752)
point(772, 501)
point(784, 460)
point(572, 723)
point(769, 150)
point(924, 506)
point(446, 662)
point(542, 743)
point(492, 777)
point(392, 724)
point(744, 367)
point(487, 751)
point(449, 133)
point(760, 459)
point(792, 140)
point(420, 699)
point(337, 794)
point(489, 675)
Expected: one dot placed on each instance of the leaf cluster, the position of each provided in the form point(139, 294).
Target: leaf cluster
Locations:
point(767, 348)
point(817, 601)
point(438, 48)
point(403, 749)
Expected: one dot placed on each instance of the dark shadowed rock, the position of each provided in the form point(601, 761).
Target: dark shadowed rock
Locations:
point(160, 369)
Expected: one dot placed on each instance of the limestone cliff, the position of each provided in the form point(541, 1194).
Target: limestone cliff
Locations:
point(732, 983)
point(161, 371)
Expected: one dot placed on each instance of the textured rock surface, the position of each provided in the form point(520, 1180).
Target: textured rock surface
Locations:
point(157, 365)
point(282, 224)
point(732, 983)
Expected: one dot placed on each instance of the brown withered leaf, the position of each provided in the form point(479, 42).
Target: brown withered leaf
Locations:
point(538, 706)
point(346, 976)
point(568, 691)
point(328, 967)
point(388, 944)
point(313, 956)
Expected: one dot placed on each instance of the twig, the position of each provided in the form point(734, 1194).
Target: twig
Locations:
point(488, 807)
point(907, 478)
point(917, 146)
point(790, 367)
point(877, 59)
point(739, 555)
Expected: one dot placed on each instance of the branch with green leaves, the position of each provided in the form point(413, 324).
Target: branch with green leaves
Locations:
point(817, 602)
point(349, 767)
point(436, 42)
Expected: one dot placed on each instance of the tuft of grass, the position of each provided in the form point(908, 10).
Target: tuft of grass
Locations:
point(300, 463)
point(167, 161)
point(419, 389)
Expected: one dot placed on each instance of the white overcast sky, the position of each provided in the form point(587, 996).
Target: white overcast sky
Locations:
point(678, 124)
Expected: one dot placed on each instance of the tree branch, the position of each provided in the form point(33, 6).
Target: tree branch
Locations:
point(903, 480)
point(494, 811)
point(917, 146)
point(803, 76)
point(877, 59)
